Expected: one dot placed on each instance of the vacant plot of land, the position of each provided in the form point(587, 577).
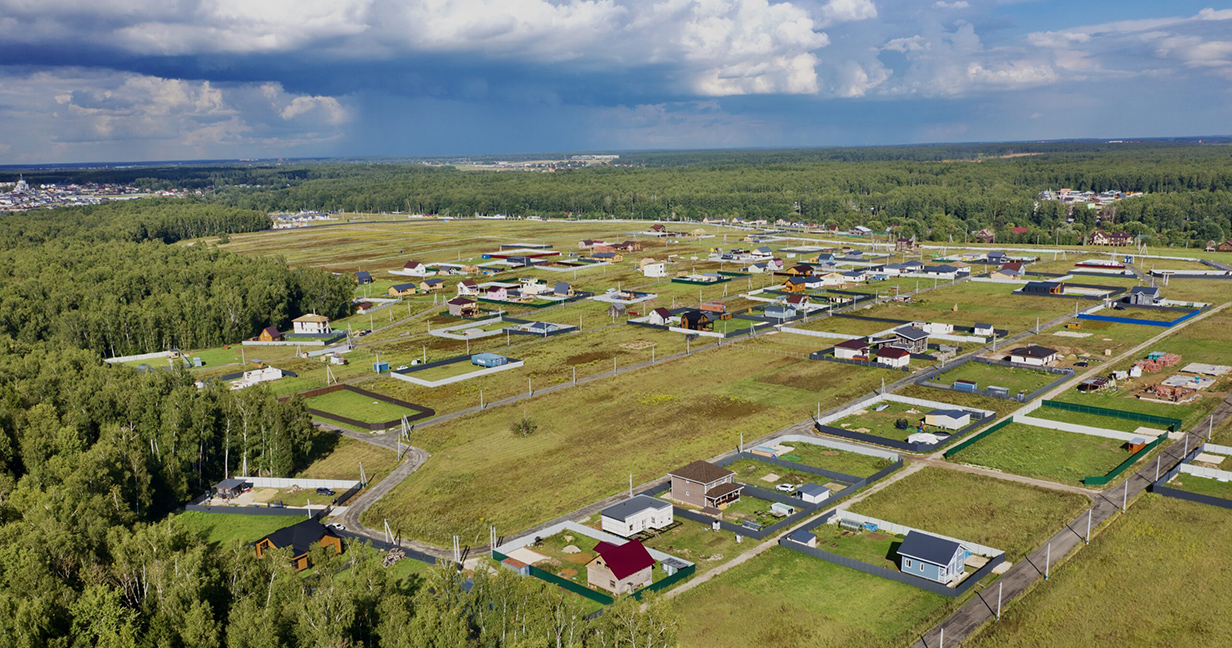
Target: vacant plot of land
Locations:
point(225, 528)
point(1202, 485)
point(588, 441)
point(750, 509)
point(784, 599)
point(1091, 420)
point(976, 302)
point(848, 463)
point(1064, 457)
point(1014, 379)
point(344, 460)
point(1159, 556)
point(753, 472)
point(359, 407)
point(994, 512)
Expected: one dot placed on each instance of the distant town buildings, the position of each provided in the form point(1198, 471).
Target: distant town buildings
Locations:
point(22, 196)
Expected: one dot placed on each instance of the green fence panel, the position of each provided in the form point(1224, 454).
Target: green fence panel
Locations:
point(960, 447)
point(598, 597)
point(1172, 423)
point(666, 582)
point(1116, 472)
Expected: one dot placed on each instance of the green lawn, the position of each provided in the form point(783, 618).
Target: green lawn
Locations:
point(1163, 556)
point(826, 458)
point(1190, 413)
point(785, 599)
point(449, 371)
point(1012, 378)
point(752, 472)
point(1092, 420)
point(359, 407)
point(1202, 485)
point(749, 508)
point(882, 423)
point(697, 543)
point(876, 548)
point(1055, 455)
point(997, 513)
point(225, 528)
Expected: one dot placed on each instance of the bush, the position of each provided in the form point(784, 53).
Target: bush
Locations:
point(524, 427)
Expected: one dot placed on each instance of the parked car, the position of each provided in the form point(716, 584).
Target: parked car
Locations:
point(336, 526)
point(325, 491)
point(1082, 363)
point(402, 368)
point(785, 488)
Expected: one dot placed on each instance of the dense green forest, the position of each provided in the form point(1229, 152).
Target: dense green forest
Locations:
point(95, 459)
point(931, 192)
point(103, 278)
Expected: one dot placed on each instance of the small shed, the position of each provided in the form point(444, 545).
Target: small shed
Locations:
point(363, 277)
point(1135, 445)
point(489, 360)
point(803, 537)
point(230, 488)
point(811, 493)
point(966, 386)
point(950, 419)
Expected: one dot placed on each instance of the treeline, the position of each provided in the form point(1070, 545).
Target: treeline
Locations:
point(1189, 191)
point(94, 458)
point(103, 278)
point(166, 220)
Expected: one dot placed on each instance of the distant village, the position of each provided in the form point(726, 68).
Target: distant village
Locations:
point(22, 196)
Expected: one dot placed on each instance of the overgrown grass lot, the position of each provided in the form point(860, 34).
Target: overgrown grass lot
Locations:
point(344, 459)
point(1055, 455)
point(1162, 556)
point(1015, 379)
point(225, 528)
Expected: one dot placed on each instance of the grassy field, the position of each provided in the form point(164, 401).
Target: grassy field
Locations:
point(358, 407)
point(1158, 557)
point(344, 459)
point(698, 544)
point(751, 509)
point(449, 371)
point(225, 528)
point(1091, 420)
point(786, 599)
point(848, 463)
point(1202, 485)
point(876, 548)
point(1014, 379)
point(754, 473)
point(1064, 457)
point(591, 437)
point(883, 423)
point(1006, 515)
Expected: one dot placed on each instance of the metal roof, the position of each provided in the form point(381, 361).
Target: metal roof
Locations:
point(928, 548)
point(624, 510)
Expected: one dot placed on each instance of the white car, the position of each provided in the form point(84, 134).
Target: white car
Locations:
point(337, 526)
point(785, 488)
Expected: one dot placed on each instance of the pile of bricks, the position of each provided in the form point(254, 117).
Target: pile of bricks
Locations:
point(1153, 366)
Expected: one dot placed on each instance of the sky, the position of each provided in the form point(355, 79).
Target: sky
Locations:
point(117, 80)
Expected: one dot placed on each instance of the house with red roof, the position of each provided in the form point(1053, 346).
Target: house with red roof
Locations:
point(620, 569)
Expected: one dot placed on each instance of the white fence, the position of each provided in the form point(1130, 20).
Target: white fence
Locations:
point(448, 331)
point(1082, 429)
point(574, 527)
point(1217, 449)
point(287, 482)
point(906, 400)
point(1209, 473)
point(837, 445)
point(820, 334)
point(158, 355)
point(900, 529)
point(453, 379)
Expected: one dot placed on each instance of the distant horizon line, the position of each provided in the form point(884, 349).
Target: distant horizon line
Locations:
point(51, 166)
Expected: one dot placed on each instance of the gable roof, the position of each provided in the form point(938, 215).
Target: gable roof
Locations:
point(311, 317)
point(662, 312)
point(892, 352)
point(702, 472)
point(460, 301)
point(469, 283)
point(403, 286)
point(363, 274)
point(951, 413)
point(797, 299)
point(1011, 266)
point(272, 331)
point(300, 537)
point(928, 548)
point(433, 282)
point(412, 264)
point(562, 288)
point(857, 344)
point(1144, 290)
point(812, 489)
point(626, 559)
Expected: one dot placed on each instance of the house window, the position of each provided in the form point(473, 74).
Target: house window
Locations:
point(612, 584)
point(906, 563)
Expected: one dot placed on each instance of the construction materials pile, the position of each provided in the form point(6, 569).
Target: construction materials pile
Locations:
point(393, 556)
point(1169, 394)
point(1157, 361)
